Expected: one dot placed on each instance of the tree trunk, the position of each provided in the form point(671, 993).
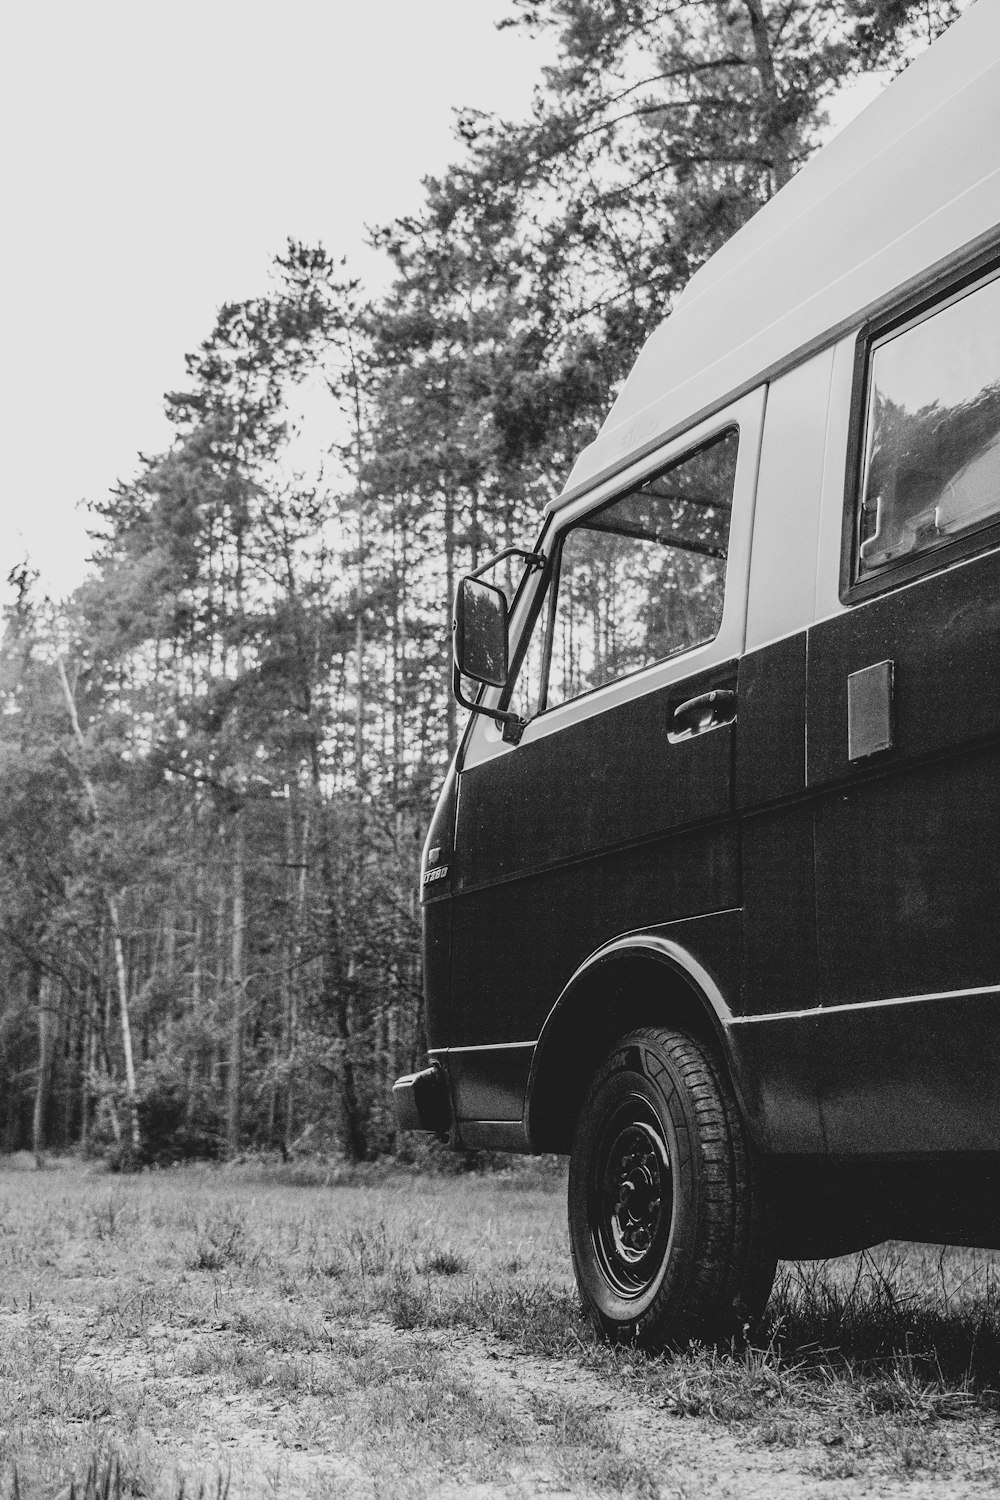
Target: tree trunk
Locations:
point(781, 164)
point(88, 1071)
point(300, 856)
point(41, 986)
point(237, 978)
point(335, 992)
point(126, 1027)
point(105, 1031)
point(116, 937)
point(219, 992)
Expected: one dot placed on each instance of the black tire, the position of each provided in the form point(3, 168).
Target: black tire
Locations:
point(666, 1214)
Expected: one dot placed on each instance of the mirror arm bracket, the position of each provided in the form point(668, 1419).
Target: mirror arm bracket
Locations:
point(513, 725)
point(531, 560)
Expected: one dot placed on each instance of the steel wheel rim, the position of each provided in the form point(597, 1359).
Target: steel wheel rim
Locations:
point(631, 1198)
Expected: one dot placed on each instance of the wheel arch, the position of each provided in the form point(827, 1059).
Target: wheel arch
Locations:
point(641, 979)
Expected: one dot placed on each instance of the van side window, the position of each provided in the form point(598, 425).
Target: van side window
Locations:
point(931, 468)
point(640, 579)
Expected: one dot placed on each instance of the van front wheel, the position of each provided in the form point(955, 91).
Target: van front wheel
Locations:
point(665, 1211)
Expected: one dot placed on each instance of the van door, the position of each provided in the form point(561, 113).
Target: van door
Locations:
point(615, 811)
point(903, 746)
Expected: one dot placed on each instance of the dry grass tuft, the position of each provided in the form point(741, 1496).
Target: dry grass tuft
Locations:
point(205, 1332)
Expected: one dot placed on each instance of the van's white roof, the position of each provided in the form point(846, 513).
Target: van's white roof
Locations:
point(911, 180)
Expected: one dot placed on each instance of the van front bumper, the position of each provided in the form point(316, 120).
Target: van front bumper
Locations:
point(421, 1101)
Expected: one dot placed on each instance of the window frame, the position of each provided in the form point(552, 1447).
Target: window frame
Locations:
point(550, 585)
point(918, 307)
point(482, 741)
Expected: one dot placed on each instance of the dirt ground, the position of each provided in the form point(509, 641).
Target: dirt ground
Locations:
point(265, 1444)
point(138, 1347)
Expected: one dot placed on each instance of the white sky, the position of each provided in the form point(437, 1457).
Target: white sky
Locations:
point(156, 157)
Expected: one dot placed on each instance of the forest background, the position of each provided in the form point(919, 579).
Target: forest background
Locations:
point(219, 755)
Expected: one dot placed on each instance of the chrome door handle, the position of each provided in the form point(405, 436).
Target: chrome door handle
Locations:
point(706, 711)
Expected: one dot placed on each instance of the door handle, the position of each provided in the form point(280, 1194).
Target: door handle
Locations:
point(706, 711)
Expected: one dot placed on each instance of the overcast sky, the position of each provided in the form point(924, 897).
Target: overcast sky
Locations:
point(156, 158)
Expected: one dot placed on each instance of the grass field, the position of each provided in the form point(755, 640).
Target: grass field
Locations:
point(234, 1332)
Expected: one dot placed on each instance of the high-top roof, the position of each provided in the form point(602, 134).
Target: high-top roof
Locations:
point(912, 179)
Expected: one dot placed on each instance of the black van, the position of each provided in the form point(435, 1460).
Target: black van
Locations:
point(712, 891)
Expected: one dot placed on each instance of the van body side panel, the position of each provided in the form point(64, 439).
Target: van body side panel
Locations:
point(516, 945)
point(779, 945)
point(771, 734)
point(919, 1077)
point(908, 882)
point(779, 912)
point(488, 1083)
point(779, 895)
point(567, 842)
point(907, 845)
point(435, 896)
point(772, 1058)
point(942, 634)
point(609, 780)
point(437, 965)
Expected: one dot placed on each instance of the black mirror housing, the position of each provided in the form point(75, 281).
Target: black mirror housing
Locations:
point(481, 643)
point(482, 640)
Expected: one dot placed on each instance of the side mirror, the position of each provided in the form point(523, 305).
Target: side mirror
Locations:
point(482, 642)
point(481, 632)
